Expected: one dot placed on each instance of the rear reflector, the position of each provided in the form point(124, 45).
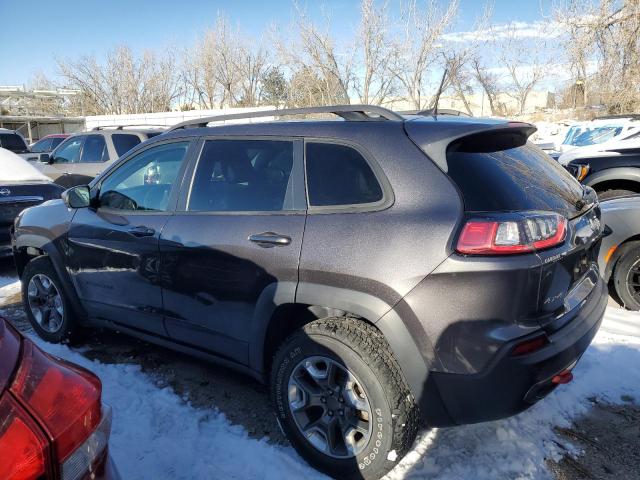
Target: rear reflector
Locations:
point(562, 378)
point(64, 398)
point(23, 447)
point(526, 233)
point(530, 346)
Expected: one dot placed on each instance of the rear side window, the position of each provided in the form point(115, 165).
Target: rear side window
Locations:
point(94, 149)
point(522, 178)
point(123, 142)
point(55, 141)
point(242, 176)
point(12, 142)
point(339, 175)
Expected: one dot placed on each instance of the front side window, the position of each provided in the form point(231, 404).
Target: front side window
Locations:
point(123, 142)
point(42, 146)
point(242, 176)
point(69, 151)
point(339, 175)
point(94, 149)
point(144, 182)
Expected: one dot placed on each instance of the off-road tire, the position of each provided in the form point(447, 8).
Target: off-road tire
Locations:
point(362, 350)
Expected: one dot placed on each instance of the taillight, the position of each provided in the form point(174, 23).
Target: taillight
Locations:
point(23, 446)
point(65, 399)
point(524, 233)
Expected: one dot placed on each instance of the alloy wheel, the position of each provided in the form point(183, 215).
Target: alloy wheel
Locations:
point(330, 407)
point(45, 303)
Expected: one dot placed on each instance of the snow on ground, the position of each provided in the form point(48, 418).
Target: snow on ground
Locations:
point(157, 435)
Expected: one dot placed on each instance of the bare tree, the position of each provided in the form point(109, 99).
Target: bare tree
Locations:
point(417, 52)
point(375, 54)
point(123, 83)
point(489, 82)
point(224, 68)
point(312, 54)
point(523, 65)
point(603, 45)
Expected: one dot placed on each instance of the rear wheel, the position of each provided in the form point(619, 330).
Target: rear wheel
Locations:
point(342, 400)
point(607, 194)
point(44, 302)
point(626, 276)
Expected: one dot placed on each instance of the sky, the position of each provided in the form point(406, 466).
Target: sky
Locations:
point(33, 34)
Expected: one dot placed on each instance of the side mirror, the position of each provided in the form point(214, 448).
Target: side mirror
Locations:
point(45, 158)
point(77, 197)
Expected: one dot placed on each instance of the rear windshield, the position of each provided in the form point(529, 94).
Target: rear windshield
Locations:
point(522, 178)
point(12, 142)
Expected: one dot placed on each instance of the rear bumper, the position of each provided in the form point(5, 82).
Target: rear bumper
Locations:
point(509, 384)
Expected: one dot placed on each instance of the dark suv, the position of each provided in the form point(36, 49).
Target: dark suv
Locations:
point(378, 272)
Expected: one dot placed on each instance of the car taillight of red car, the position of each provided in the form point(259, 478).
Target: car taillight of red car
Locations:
point(52, 422)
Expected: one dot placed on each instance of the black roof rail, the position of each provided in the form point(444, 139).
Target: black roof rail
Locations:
point(348, 112)
point(441, 111)
point(122, 127)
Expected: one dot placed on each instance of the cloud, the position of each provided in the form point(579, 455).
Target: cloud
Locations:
point(516, 30)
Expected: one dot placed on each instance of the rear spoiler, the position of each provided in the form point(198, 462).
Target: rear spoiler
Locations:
point(484, 136)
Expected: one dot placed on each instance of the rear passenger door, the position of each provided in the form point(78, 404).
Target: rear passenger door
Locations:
point(230, 253)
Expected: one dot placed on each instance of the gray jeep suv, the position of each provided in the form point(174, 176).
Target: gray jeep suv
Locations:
point(380, 272)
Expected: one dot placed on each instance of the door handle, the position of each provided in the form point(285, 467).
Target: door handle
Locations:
point(270, 239)
point(142, 231)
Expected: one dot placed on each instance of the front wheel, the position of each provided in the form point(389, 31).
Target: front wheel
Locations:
point(342, 400)
point(626, 276)
point(45, 303)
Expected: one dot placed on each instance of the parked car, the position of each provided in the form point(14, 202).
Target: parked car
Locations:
point(47, 143)
point(613, 171)
point(601, 131)
point(21, 186)
point(53, 423)
point(620, 252)
point(380, 273)
point(14, 142)
point(82, 156)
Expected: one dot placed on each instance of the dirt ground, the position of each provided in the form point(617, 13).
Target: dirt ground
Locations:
point(608, 436)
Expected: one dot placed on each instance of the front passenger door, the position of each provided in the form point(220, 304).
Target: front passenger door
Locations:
point(113, 249)
point(62, 160)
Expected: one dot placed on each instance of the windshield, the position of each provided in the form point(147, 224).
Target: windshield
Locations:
point(580, 136)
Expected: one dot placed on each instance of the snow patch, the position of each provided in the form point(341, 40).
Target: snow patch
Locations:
point(15, 169)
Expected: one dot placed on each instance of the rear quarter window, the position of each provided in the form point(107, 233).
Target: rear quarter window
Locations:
point(522, 178)
point(123, 142)
point(338, 175)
